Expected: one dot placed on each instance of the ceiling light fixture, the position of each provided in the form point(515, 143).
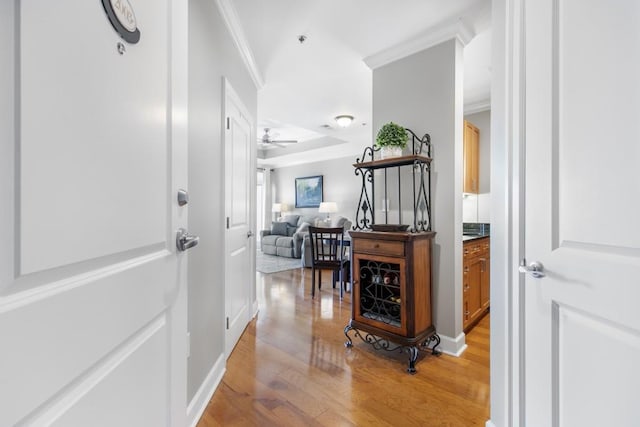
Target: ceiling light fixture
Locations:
point(344, 120)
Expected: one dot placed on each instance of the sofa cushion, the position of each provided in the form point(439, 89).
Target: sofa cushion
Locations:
point(270, 240)
point(284, 242)
point(285, 252)
point(279, 228)
point(311, 219)
point(270, 250)
point(291, 220)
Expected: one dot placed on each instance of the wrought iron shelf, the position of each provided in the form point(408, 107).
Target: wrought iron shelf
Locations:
point(428, 342)
point(396, 161)
point(420, 186)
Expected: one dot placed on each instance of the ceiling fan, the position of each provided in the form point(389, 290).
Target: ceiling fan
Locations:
point(267, 142)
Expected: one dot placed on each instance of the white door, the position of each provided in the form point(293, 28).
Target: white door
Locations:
point(92, 146)
point(239, 149)
point(582, 342)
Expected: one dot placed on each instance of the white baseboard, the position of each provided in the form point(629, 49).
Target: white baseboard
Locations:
point(453, 346)
point(489, 424)
point(256, 309)
point(202, 397)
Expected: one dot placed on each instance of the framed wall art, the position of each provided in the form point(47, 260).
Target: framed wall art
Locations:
point(309, 191)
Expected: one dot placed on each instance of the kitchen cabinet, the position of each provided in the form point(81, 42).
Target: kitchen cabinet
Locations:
point(475, 281)
point(471, 158)
point(391, 291)
point(485, 274)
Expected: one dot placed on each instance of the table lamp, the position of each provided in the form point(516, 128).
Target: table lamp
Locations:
point(328, 208)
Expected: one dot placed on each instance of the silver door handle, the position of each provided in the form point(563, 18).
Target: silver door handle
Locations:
point(185, 240)
point(535, 268)
point(249, 233)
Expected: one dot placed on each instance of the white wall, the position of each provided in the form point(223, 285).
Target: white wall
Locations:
point(505, 306)
point(476, 207)
point(424, 93)
point(212, 55)
point(340, 185)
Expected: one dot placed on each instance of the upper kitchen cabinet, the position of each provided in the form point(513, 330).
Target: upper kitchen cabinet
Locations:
point(471, 153)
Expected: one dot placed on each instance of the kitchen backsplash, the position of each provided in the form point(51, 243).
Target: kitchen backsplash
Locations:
point(476, 228)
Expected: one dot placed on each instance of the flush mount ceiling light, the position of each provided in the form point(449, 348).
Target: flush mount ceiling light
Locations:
point(344, 120)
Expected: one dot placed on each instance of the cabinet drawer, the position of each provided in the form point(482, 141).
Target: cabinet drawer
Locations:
point(484, 248)
point(378, 247)
point(471, 249)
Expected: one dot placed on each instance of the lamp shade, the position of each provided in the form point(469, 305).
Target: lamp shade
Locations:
point(276, 207)
point(328, 207)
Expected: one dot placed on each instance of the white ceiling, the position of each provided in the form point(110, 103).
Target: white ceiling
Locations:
point(305, 85)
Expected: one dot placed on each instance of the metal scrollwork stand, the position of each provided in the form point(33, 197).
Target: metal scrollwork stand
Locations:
point(421, 148)
point(379, 343)
point(375, 306)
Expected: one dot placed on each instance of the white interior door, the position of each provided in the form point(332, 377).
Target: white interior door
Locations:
point(93, 144)
point(239, 198)
point(582, 343)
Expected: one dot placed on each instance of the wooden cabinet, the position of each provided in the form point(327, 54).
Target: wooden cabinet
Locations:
point(471, 156)
point(391, 269)
point(485, 274)
point(391, 293)
point(475, 281)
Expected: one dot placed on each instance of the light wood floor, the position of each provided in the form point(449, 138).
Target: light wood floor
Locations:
point(291, 368)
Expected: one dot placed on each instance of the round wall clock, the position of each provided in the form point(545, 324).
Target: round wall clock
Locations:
point(123, 19)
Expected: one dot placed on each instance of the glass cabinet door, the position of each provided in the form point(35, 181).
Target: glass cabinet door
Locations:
point(379, 286)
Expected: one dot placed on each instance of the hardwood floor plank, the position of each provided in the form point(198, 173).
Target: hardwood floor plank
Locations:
point(291, 368)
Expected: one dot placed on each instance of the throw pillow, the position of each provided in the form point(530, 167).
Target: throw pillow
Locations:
point(291, 230)
point(279, 228)
point(291, 219)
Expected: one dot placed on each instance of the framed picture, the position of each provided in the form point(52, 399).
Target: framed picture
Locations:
point(308, 191)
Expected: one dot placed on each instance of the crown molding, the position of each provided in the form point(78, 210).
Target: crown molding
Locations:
point(457, 29)
point(230, 17)
point(477, 107)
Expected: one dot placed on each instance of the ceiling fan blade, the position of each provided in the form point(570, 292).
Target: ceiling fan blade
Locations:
point(284, 141)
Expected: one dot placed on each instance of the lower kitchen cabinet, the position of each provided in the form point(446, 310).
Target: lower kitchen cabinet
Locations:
point(475, 281)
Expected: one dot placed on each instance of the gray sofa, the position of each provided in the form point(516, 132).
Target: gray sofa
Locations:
point(289, 237)
point(285, 236)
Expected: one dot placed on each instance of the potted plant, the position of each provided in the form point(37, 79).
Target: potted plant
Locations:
point(391, 140)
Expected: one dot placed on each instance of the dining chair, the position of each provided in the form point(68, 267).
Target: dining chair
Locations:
point(327, 253)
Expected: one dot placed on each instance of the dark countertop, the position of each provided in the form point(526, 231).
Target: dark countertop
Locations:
point(474, 237)
point(475, 230)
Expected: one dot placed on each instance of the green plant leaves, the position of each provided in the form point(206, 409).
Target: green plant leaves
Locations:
point(392, 134)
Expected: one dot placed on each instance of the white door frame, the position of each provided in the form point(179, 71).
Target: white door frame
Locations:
point(230, 94)
point(507, 211)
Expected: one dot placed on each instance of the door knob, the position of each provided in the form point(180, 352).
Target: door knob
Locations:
point(249, 233)
point(185, 240)
point(535, 268)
